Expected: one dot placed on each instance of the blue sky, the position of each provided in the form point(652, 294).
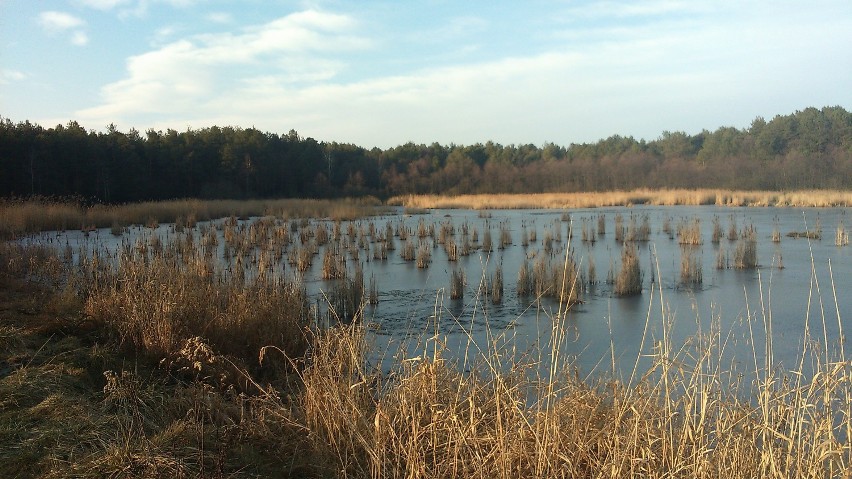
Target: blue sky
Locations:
point(381, 73)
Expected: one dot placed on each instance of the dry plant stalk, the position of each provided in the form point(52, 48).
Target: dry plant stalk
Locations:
point(745, 255)
point(628, 282)
point(689, 233)
point(428, 417)
point(690, 266)
point(457, 284)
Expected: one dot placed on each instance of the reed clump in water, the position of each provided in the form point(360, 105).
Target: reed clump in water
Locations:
point(505, 236)
point(689, 233)
point(722, 259)
point(524, 286)
point(407, 253)
point(424, 255)
point(628, 281)
point(776, 230)
point(814, 234)
point(557, 278)
point(733, 233)
point(691, 273)
point(717, 234)
point(619, 228)
point(347, 298)
point(79, 406)
point(457, 284)
point(487, 245)
point(745, 254)
point(841, 236)
point(496, 289)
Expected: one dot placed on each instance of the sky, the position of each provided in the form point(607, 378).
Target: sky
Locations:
point(383, 73)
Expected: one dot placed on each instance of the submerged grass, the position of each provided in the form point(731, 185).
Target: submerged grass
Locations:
point(144, 368)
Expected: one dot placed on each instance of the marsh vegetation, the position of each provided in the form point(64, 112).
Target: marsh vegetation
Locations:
point(223, 348)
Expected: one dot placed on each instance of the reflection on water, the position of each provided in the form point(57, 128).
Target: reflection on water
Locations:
point(732, 308)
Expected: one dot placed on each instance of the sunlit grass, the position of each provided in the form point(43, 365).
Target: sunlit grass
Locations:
point(19, 217)
point(666, 197)
point(159, 363)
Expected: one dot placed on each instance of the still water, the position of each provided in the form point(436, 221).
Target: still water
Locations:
point(791, 293)
point(799, 292)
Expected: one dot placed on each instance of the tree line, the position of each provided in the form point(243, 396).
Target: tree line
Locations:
point(807, 149)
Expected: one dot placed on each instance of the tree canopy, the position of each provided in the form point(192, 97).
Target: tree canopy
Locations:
point(807, 149)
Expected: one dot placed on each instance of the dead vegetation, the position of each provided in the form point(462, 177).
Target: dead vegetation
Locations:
point(664, 197)
point(161, 363)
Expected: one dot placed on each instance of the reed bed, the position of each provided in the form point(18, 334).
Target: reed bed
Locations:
point(491, 415)
point(691, 273)
point(496, 285)
point(548, 277)
point(689, 233)
point(675, 197)
point(18, 217)
point(158, 362)
point(457, 283)
point(717, 234)
point(841, 235)
point(156, 306)
point(745, 254)
point(628, 281)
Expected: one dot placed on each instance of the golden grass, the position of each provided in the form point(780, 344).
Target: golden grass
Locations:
point(21, 217)
point(198, 403)
point(628, 281)
point(666, 197)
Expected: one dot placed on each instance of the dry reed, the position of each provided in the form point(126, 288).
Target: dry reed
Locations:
point(690, 266)
point(496, 290)
point(841, 236)
point(80, 410)
point(457, 284)
point(628, 281)
point(745, 255)
point(19, 217)
point(689, 233)
point(665, 197)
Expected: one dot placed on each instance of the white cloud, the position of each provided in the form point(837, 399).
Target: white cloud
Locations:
point(141, 7)
point(644, 9)
point(190, 72)
point(11, 76)
point(53, 21)
point(219, 17)
point(102, 4)
point(631, 79)
point(79, 38)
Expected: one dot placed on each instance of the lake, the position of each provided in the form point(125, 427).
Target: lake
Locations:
point(790, 294)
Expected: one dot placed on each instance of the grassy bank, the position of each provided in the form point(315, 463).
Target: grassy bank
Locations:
point(813, 198)
point(27, 216)
point(159, 365)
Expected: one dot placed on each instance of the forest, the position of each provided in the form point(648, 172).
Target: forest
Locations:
point(808, 149)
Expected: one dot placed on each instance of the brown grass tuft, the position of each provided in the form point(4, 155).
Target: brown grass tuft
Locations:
point(628, 282)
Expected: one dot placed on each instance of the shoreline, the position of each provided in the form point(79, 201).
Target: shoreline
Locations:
point(661, 197)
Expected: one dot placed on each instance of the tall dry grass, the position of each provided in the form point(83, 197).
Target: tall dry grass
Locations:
point(628, 281)
point(684, 417)
point(19, 217)
point(745, 254)
point(156, 306)
point(331, 413)
point(676, 197)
